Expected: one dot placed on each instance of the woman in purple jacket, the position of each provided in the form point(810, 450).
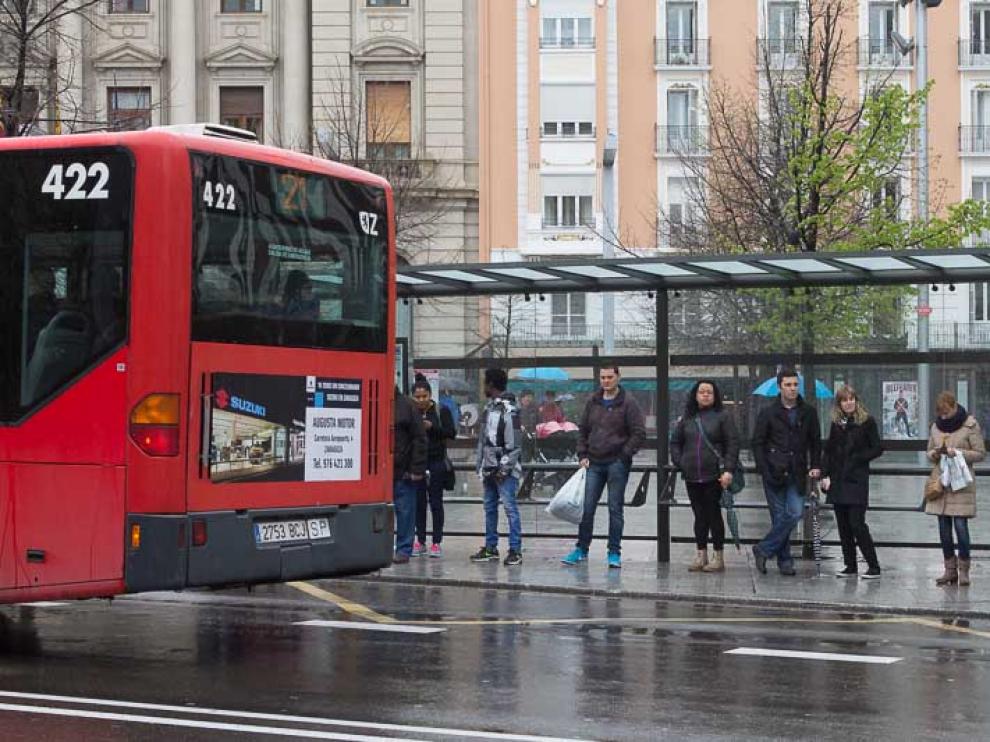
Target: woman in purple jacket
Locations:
point(705, 447)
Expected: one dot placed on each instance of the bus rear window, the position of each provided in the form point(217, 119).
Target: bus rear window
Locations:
point(287, 258)
point(65, 231)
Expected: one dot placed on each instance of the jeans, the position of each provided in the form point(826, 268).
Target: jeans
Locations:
point(945, 525)
point(615, 474)
point(706, 502)
point(786, 508)
point(404, 502)
point(853, 532)
point(506, 492)
point(430, 491)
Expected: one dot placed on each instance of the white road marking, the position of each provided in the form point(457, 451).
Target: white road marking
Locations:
point(167, 721)
point(826, 656)
point(41, 604)
point(395, 628)
point(258, 716)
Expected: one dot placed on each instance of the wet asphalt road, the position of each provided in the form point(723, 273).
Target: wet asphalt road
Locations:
point(499, 662)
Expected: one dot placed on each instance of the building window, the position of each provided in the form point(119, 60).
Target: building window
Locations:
point(24, 119)
point(129, 6)
point(568, 129)
point(568, 315)
point(567, 33)
point(240, 6)
point(568, 211)
point(980, 30)
point(681, 221)
point(980, 301)
point(129, 109)
point(389, 120)
point(981, 192)
point(680, 32)
point(888, 197)
point(782, 27)
point(883, 23)
point(387, 3)
point(244, 108)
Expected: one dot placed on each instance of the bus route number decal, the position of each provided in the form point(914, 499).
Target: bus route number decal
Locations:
point(219, 196)
point(84, 184)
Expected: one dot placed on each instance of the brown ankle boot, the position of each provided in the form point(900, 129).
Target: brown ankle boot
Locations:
point(700, 560)
point(963, 572)
point(951, 574)
point(717, 563)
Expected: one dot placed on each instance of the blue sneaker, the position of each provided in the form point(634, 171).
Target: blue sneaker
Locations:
point(614, 561)
point(575, 557)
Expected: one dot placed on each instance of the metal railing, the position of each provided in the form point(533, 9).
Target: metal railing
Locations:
point(575, 42)
point(974, 52)
point(561, 134)
point(681, 52)
point(974, 139)
point(952, 335)
point(681, 140)
point(881, 53)
point(779, 50)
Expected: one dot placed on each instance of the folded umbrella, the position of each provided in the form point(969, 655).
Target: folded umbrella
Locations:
point(731, 517)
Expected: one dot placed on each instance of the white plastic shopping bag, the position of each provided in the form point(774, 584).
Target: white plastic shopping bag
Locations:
point(568, 503)
point(955, 472)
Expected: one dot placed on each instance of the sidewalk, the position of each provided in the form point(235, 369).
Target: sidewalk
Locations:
point(907, 585)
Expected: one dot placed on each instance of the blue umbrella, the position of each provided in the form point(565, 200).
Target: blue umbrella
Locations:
point(543, 374)
point(769, 388)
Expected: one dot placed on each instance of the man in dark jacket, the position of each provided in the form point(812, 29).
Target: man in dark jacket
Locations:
point(612, 430)
point(787, 446)
point(409, 466)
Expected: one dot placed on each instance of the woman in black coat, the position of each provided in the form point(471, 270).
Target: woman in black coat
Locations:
point(705, 447)
point(439, 424)
point(853, 442)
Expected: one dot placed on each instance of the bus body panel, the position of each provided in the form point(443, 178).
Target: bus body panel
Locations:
point(69, 521)
point(7, 571)
point(212, 358)
point(160, 280)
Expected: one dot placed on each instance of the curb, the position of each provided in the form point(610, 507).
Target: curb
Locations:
point(728, 600)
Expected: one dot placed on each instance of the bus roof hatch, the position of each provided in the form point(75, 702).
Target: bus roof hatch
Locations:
point(211, 130)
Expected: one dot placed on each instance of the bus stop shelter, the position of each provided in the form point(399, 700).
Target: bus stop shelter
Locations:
point(663, 274)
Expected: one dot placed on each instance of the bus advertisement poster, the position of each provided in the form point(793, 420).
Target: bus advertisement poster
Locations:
point(262, 427)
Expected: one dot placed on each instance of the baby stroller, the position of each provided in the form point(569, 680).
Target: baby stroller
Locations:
point(553, 444)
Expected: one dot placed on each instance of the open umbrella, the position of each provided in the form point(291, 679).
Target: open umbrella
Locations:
point(769, 388)
point(547, 373)
point(731, 517)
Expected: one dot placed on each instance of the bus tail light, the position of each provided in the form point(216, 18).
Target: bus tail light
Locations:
point(135, 536)
point(154, 425)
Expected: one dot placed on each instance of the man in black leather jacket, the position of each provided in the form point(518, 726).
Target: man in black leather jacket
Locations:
point(787, 446)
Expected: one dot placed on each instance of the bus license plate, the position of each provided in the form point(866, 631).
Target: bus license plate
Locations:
point(283, 531)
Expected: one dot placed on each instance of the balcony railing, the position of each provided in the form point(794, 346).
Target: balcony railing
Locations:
point(681, 52)
point(575, 42)
point(974, 52)
point(573, 331)
point(681, 140)
point(881, 53)
point(974, 139)
point(399, 168)
point(951, 335)
point(779, 50)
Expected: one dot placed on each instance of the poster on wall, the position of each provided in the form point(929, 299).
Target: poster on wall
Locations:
point(900, 410)
point(284, 428)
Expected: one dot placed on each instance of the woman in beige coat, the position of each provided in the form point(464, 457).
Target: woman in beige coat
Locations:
point(954, 430)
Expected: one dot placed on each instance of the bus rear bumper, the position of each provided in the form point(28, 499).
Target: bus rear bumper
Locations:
point(213, 549)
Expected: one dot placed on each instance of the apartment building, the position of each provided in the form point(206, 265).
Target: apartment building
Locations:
point(300, 75)
point(640, 69)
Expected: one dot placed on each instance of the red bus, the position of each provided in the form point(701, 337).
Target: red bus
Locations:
point(196, 364)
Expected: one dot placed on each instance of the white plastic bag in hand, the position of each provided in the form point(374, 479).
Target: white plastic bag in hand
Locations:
point(568, 503)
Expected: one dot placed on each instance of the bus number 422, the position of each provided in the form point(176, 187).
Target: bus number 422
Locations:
point(83, 184)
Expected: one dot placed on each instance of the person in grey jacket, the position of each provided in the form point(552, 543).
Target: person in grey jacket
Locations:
point(499, 466)
point(611, 431)
point(408, 468)
point(705, 447)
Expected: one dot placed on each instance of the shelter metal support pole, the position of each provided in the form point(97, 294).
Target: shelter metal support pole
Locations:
point(924, 308)
point(663, 424)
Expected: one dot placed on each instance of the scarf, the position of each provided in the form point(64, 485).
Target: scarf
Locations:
point(952, 424)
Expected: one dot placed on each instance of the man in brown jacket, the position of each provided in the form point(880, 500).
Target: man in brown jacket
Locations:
point(612, 430)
